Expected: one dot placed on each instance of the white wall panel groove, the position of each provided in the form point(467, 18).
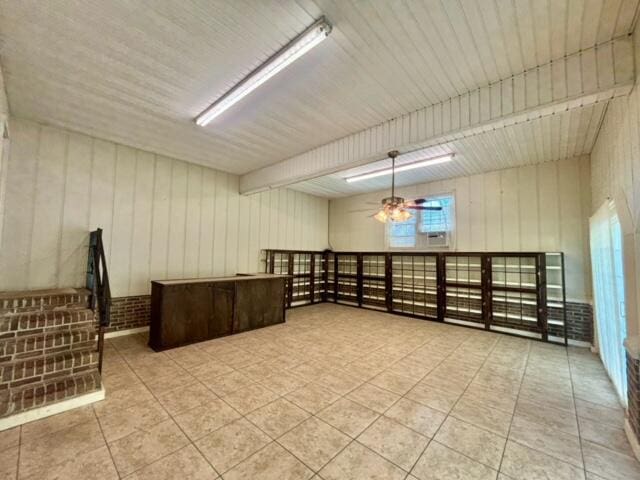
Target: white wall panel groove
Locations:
point(162, 218)
point(533, 94)
point(541, 207)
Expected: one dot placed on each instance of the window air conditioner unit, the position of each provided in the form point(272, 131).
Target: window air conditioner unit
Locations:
point(438, 239)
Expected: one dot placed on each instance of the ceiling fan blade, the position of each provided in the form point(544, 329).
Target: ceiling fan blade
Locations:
point(419, 207)
point(419, 201)
point(360, 210)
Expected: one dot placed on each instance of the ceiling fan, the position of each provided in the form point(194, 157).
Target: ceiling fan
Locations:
point(397, 209)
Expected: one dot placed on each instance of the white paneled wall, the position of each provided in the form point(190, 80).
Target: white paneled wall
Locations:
point(162, 218)
point(543, 207)
point(4, 151)
point(616, 155)
point(616, 175)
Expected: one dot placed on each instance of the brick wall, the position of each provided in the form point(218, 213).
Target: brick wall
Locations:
point(633, 394)
point(580, 322)
point(130, 312)
point(135, 312)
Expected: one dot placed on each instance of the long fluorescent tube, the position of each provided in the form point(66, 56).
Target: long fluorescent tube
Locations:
point(300, 45)
point(401, 168)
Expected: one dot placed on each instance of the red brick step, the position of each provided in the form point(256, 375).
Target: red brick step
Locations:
point(43, 299)
point(48, 392)
point(31, 370)
point(31, 322)
point(43, 343)
point(48, 351)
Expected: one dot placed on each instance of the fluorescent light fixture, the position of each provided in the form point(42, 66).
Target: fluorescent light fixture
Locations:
point(402, 168)
point(300, 45)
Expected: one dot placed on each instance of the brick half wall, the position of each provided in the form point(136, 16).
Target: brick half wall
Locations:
point(130, 312)
point(580, 322)
point(633, 394)
point(135, 312)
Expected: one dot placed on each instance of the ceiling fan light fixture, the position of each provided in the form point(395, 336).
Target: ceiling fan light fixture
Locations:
point(402, 168)
point(300, 45)
point(400, 215)
point(381, 216)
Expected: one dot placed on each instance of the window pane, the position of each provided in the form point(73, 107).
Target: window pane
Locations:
point(437, 220)
point(403, 234)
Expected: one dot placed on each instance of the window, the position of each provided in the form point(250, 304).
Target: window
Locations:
point(403, 235)
point(427, 229)
point(437, 220)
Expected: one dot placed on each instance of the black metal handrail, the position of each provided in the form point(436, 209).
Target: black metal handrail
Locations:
point(98, 284)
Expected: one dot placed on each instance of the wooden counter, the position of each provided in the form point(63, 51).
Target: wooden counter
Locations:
point(194, 310)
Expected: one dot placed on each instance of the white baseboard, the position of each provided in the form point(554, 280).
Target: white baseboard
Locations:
point(49, 410)
point(633, 441)
point(122, 333)
point(578, 343)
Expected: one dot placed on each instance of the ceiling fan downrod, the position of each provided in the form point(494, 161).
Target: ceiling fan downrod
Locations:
point(393, 154)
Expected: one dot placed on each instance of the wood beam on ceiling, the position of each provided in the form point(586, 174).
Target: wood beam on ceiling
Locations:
point(590, 76)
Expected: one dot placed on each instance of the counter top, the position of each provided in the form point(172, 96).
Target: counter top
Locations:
point(234, 278)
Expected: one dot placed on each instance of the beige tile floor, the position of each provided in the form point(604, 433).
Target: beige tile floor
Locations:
point(337, 393)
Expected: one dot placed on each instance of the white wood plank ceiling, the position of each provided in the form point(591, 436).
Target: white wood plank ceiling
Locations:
point(138, 72)
point(554, 137)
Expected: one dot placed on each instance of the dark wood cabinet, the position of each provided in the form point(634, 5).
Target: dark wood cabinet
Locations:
point(194, 310)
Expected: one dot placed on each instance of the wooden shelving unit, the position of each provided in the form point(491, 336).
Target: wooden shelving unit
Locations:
point(463, 289)
point(374, 278)
point(415, 285)
point(519, 293)
point(347, 279)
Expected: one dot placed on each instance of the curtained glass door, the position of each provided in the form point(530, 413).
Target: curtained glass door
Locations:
point(608, 293)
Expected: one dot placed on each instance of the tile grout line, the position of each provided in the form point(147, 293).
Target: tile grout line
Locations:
point(105, 441)
point(341, 396)
point(339, 368)
point(579, 437)
point(19, 453)
point(458, 400)
point(573, 396)
point(401, 397)
point(98, 418)
point(536, 449)
point(354, 439)
point(515, 407)
point(169, 415)
point(244, 416)
point(404, 397)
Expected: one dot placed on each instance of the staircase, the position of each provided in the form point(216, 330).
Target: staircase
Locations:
point(48, 349)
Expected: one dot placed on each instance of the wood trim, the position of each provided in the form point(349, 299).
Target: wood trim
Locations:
point(312, 278)
point(541, 296)
point(487, 281)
